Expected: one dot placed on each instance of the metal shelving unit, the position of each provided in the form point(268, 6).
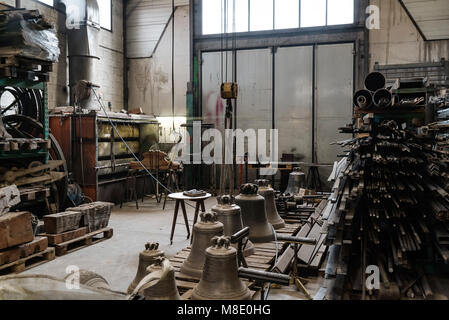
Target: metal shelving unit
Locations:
point(36, 85)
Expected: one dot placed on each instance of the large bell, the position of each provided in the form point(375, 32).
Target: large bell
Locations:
point(296, 180)
point(230, 215)
point(253, 214)
point(146, 258)
point(220, 279)
point(165, 283)
point(203, 232)
point(270, 205)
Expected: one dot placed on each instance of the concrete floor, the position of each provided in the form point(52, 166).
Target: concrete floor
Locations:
point(116, 259)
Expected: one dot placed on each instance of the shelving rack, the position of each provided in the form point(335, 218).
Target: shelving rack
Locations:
point(37, 85)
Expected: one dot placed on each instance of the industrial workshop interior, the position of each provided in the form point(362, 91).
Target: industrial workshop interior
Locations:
point(245, 150)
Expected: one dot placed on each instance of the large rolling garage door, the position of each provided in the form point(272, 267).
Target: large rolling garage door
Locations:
point(313, 87)
point(333, 103)
point(294, 103)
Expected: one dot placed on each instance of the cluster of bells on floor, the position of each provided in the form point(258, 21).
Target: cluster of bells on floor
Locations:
point(213, 259)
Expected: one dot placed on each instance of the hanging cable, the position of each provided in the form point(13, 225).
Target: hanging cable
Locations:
point(173, 62)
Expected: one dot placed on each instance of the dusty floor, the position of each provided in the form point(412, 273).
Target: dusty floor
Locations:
point(116, 259)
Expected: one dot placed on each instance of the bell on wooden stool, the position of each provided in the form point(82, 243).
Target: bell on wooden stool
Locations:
point(162, 282)
point(220, 279)
point(203, 232)
point(230, 215)
point(270, 205)
point(296, 180)
point(146, 258)
point(253, 214)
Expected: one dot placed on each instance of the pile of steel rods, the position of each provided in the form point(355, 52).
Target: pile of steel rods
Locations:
point(390, 203)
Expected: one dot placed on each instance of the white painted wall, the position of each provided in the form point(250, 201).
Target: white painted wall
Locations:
point(398, 41)
point(150, 78)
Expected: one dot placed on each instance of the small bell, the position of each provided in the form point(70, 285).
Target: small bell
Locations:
point(146, 258)
point(203, 232)
point(270, 205)
point(296, 180)
point(253, 214)
point(220, 279)
point(165, 288)
point(230, 215)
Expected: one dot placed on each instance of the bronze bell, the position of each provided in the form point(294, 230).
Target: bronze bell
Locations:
point(203, 232)
point(146, 258)
point(230, 215)
point(253, 214)
point(220, 279)
point(165, 288)
point(296, 180)
point(270, 205)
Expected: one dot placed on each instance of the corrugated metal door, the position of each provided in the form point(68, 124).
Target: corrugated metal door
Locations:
point(293, 102)
point(333, 99)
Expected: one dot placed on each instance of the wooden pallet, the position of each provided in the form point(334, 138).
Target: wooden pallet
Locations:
point(83, 242)
point(29, 262)
point(263, 259)
point(54, 239)
point(34, 193)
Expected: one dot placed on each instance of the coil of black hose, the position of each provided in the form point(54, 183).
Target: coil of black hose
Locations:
point(29, 102)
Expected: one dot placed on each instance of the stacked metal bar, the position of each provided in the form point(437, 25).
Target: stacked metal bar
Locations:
point(388, 210)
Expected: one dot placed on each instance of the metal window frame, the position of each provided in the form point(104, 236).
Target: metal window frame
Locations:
point(299, 28)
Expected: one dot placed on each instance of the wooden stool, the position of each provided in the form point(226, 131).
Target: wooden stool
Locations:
point(180, 201)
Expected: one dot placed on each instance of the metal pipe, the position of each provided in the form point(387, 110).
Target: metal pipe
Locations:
point(375, 81)
point(383, 98)
point(363, 99)
point(236, 237)
point(18, 4)
point(297, 240)
point(264, 276)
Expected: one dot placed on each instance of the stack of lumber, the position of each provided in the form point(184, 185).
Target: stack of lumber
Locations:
point(310, 257)
point(18, 246)
point(28, 45)
point(388, 209)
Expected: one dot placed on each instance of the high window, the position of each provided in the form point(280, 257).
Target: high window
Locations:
point(258, 15)
point(105, 7)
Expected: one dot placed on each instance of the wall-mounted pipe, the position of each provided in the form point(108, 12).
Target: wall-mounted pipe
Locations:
point(18, 4)
point(83, 28)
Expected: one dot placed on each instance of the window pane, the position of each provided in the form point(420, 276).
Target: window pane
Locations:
point(261, 15)
point(241, 16)
point(105, 13)
point(313, 13)
point(340, 12)
point(212, 16)
point(286, 14)
point(49, 2)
